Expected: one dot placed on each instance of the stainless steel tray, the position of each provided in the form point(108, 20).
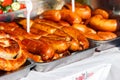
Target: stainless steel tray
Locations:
point(76, 56)
point(106, 44)
point(16, 75)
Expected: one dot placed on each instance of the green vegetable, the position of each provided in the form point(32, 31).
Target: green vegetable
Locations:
point(8, 8)
point(0, 7)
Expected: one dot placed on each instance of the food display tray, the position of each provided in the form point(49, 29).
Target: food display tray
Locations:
point(106, 44)
point(74, 57)
point(16, 75)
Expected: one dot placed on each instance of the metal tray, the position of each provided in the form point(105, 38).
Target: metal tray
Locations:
point(75, 56)
point(106, 44)
point(16, 75)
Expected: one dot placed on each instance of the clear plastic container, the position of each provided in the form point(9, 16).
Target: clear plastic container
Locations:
point(38, 8)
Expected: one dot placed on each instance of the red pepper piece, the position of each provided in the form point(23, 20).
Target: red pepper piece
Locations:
point(7, 2)
point(1, 11)
point(22, 6)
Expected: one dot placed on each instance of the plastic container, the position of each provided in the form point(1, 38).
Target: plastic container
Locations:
point(38, 8)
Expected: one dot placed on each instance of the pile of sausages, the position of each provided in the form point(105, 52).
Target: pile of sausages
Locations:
point(53, 34)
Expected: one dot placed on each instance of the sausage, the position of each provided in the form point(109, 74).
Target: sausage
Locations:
point(99, 23)
point(21, 34)
point(100, 35)
point(106, 35)
point(74, 45)
point(77, 35)
point(83, 11)
point(83, 28)
point(23, 23)
point(53, 15)
point(48, 22)
point(9, 26)
point(70, 16)
point(39, 47)
point(93, 36)
point(38, 32)
point(34, 57)
point(63, 23)
point(62, 33)
point(44, 27)
point(102, 12)
point(59, 45)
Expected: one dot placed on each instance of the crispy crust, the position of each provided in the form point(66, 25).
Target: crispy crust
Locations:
point(13, 64)
point(12, 54)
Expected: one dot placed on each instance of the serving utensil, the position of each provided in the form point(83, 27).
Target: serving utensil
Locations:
point(29, 7)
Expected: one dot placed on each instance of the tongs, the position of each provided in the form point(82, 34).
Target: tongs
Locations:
point(29, 7)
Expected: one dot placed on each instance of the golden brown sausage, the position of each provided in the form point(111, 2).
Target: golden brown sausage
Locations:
point(56, 56)
point(44, 27)
point(48, 22)
point(70, 16)
point(56, 37)
point(23, 22)
point(64, 14)
point(9, 26)
point(38, 32)
point(40, 48)
point(41, 26)
point(53, 15)
point(93, 36)
point(77, 35)
point(102, 12)
point(97, 22)
point(58, 44)
point(106, 35)
point(74, 45)
point(101, 36)
point(21, 34)
point(83, 28)
point(83, 11)
point(63, 23)
point(34, 57)
point(62, 33)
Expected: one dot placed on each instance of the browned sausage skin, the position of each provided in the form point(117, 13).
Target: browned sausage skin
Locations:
point(40, 48)
point(83, 11)
point(97, 22)
point(53, 15)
